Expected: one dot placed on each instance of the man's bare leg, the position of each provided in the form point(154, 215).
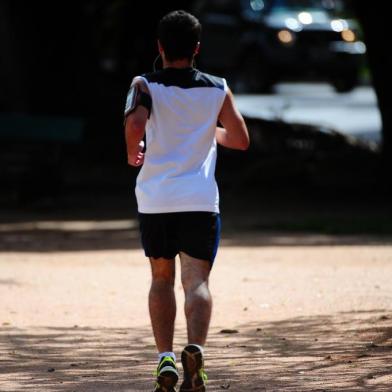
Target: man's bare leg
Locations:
point(198, 301)
point(198, 306)
point(162, 303)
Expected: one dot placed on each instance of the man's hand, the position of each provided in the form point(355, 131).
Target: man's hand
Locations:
point(136, 158)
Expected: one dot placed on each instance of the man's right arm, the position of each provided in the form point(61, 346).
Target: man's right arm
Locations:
point(235, 134)
point(135, 123)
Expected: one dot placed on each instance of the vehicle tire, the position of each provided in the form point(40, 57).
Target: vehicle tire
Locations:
point(253, 76)
point(346, 82)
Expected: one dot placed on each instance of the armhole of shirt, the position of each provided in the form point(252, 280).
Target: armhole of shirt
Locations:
point(225, 86)
point(225, 90)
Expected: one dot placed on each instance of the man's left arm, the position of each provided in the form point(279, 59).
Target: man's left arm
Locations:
point(137, 111)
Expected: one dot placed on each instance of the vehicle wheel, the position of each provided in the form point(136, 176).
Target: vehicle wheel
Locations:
point(253, 76)
point(346, 83)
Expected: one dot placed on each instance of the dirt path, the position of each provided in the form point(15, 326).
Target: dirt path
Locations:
point(307, 317)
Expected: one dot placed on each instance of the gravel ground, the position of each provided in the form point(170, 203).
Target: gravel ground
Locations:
point(298, 312)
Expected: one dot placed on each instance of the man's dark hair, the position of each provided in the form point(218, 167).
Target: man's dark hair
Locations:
point(179, 32)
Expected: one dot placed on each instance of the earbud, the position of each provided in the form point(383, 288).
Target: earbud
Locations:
point(154, 65)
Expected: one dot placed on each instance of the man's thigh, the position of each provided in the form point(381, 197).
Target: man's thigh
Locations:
point(159, 235)
point(194, 271)
point(199, 235)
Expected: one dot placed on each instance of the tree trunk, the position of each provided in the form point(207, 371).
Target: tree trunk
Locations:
point(375, 23)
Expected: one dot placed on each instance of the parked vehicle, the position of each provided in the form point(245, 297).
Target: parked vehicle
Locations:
point(256, 43)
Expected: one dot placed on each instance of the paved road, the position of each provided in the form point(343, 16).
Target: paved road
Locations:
point(355, 114)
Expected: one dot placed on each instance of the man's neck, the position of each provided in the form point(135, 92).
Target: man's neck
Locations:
point(179, 64)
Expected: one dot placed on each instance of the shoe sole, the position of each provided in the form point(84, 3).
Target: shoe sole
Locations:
point(192, 362)
point(167, 381)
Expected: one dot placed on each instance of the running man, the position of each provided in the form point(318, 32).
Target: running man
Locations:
point(177, 109)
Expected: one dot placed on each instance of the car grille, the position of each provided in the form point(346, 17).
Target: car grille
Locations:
point(316, 38)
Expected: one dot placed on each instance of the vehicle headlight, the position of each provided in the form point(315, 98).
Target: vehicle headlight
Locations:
point(339, 25)
point(305, 18)
point(348, 35)
point(286, 37)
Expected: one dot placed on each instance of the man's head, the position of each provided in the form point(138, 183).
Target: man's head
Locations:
point(179, 35)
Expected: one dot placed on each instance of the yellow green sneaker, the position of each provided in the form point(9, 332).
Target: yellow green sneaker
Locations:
point(194, 374)
point(167, 375)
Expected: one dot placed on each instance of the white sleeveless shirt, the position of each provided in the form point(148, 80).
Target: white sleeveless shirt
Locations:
point(178, 173)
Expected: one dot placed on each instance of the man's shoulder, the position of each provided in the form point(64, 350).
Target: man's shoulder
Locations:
point(211, 80)
point(191, 79)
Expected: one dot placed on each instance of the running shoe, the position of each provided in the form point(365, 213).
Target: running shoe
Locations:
point(193, 365)
point(167, 375)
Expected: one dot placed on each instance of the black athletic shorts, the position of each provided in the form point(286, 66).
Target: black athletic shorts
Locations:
point(194, 233)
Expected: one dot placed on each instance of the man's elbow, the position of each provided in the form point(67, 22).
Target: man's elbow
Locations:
point(244, 144)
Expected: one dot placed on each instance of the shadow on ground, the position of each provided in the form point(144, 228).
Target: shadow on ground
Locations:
point(58, 240)
point(249, 222)
point(250, 217)
point(346, 352)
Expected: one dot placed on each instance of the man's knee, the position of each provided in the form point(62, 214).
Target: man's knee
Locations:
point(193, 283)
point(163, 280)
point(163, 272)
